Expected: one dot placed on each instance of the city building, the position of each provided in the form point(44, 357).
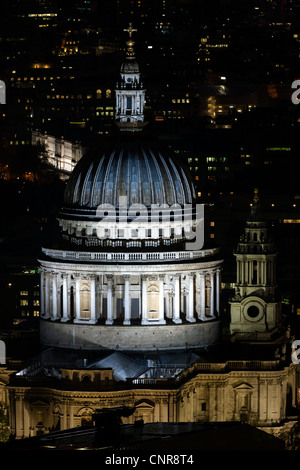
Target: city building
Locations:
point(61, 153)
point(130, 301)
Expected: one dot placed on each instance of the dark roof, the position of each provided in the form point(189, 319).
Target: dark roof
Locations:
point(160, 438)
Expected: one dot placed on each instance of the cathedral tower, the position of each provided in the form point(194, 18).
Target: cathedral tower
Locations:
point(254, 308)
point(130, 94)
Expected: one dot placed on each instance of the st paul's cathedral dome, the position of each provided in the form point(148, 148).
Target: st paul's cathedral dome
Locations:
point(129, 273)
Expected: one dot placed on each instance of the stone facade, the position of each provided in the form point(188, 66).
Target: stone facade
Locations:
point(62, 153)
point(207, 392)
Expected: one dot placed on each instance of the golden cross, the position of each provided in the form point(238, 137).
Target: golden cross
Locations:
point(130, 30)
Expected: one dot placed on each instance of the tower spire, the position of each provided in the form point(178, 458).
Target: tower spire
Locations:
point(130, 43)
point(130, 94)
point(255, 208)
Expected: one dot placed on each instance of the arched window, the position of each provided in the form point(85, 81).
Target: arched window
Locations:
point(99, 94)
point(108, 94)
point(255, 236)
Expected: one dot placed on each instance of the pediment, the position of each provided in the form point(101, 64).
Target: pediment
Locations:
point(242, 386)
point(144, 404)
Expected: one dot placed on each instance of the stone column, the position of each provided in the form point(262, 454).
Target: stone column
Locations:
point(54, 296)
point(47, 295)
point(127, 309)
point(202, 296)
point(264, 272)
point(218, 291)
point(144, 301)
point(109, 320)
point(212, 294)
point(93, 298)
point(176, 307)
point(65, 316)
point(258, 272)
point(168, 304)
point(190, 314)
point(243, 272)
point(42, 293)
point(161, 300)
point(77, 297)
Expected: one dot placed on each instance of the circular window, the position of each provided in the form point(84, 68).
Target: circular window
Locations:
point(253, 311)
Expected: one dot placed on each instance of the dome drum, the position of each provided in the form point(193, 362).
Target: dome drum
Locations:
point(75, 294)
point(161, 226)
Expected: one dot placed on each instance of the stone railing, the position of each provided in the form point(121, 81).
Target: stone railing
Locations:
point(127, 257)
point(227, 367)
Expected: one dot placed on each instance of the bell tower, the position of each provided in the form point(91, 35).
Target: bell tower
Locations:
point(254, 308)
point(130, 94)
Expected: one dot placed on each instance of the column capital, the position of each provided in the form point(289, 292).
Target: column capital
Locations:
point(126, 276)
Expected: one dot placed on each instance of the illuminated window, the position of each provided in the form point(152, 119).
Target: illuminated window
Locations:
point(212, 224)
point(24, 303)
point(99, 94)
point(291, 221)
point(212, 235)
point(108, 94)
point(36, 303)
point(24, 292)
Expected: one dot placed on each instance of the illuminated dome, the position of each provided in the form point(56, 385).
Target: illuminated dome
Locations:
point(130, 271)
point(133, 175)
point(129, 168)
point(130, 67)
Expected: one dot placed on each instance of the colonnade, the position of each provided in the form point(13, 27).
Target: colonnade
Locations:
point(136, 103)
point(265, 271)
point(73, 296)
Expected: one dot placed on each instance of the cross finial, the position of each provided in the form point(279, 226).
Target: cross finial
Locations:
point(130, 30)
